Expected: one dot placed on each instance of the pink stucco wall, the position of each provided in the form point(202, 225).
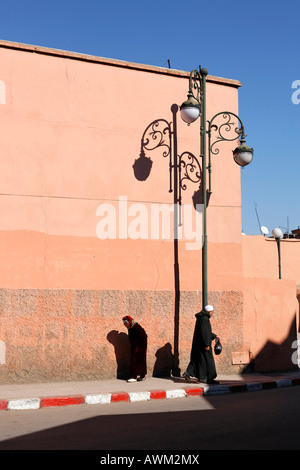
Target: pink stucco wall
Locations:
point(270, 317)
point(71, 128)
point(260, 258)
point(71, 131)
point(271, 305)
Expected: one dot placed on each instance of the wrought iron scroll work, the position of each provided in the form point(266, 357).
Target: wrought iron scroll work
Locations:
point(195, 85)
point(189, 170)
point(155, 136)
point(158, 135)
point(227, 126)
point(189, 166)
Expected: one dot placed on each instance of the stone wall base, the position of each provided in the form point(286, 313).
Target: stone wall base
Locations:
point(61, 334)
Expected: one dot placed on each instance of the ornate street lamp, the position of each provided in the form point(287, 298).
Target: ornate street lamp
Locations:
point(193, 108)
point(278, 235)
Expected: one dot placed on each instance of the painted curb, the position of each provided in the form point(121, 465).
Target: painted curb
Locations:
point(36, 403)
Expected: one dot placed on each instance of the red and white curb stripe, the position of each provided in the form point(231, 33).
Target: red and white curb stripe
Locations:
point(105, 398)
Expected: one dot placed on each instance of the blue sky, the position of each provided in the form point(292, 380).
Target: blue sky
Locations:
point(256, 42)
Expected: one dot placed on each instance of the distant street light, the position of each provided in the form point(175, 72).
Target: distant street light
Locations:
point(278, 235)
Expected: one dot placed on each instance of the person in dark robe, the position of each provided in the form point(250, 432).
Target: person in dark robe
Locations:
point(202, 363)
point(138, 341)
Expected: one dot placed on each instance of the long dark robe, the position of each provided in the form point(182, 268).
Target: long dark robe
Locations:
point(138, 341)
point(202, 363)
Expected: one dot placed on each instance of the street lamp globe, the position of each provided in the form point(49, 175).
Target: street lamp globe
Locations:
point(277, 233)
point(243, 154)
point(190, 110)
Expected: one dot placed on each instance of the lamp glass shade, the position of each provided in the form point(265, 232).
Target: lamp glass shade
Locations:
point(189, 114)
point(243, 154)
point(277, 233)
point(243, 158)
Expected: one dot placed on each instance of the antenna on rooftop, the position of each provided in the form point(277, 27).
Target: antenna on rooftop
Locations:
point(263, 229)
point(260, 227)
point(287, 228)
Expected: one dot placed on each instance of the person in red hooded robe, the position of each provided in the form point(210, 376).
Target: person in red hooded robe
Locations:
point(138, 341)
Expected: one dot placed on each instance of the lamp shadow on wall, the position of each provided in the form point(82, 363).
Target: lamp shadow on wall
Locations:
point(161, 136)
point(197, 197)
point(142, 167)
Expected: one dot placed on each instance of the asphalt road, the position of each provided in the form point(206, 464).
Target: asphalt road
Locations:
point(265, 420)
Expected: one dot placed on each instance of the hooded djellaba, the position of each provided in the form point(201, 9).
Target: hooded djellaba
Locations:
point(202, 363)
point(138, 341)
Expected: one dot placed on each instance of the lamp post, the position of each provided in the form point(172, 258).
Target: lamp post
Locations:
point(193, 108)
point(278, 235)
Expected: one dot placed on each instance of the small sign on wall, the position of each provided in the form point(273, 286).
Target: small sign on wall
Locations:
point(2, 353)
point(240, 357)
point(2, 92)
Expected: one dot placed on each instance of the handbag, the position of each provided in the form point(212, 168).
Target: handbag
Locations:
point(218, 347)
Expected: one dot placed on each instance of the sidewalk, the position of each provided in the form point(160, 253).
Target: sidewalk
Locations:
point(41, 395)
